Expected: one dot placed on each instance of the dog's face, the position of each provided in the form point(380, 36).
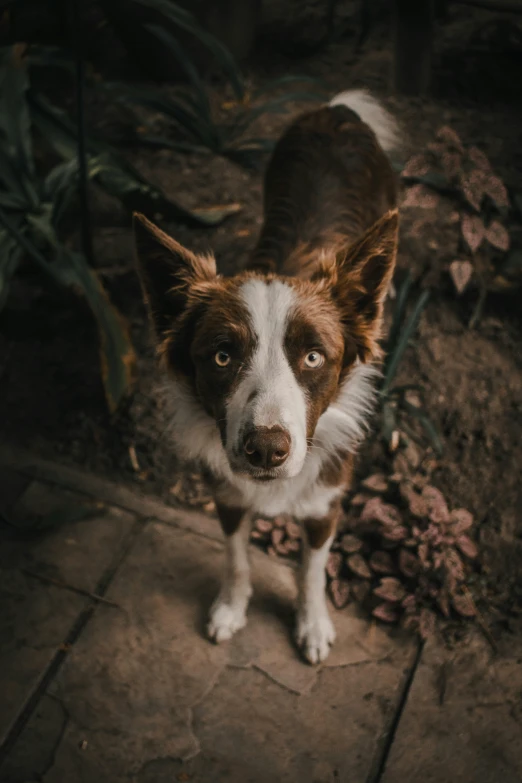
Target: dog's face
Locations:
point(265, 355)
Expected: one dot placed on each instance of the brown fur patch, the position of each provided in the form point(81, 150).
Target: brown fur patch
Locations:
point(230, 518)
point(318, 531)
point(337, 471)
point(327, 182)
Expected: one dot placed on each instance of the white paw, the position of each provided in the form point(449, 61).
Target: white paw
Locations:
point(315, 634)
point(225, 620)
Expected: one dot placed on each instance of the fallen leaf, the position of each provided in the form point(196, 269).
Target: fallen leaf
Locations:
point(454, 217)
point(408, 563)
point(263, 525)
point(376, 483)
point(464, 605)
point(479, 159)
point(382, 562)
point(340, 592)
point(390, 589)
point(398, 533)
point(214, 215)
point(461, 520)
point(437, 508)
point(395, 440)
point(358, 565)
point(255, 535)
point(386, 613)
point(334, 564)
point(454, 565)
point(461, 273)
point(498, 236)
point(360, 589)
point(360, 499)
point(417, 166)
point(467, 547)
point(450, 137)
point(423, 552)
point(293, 530)
point(350, 543)
point(376, 510)
point(417, 505)
point(134, 459)
point(409, 604)
point(421, 197)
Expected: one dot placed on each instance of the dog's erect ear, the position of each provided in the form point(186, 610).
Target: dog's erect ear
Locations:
point(362, 277)
point(167, 271)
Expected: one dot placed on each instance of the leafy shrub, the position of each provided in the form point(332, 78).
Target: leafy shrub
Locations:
point(407, 557)
point(485, 214)
point(31, 209)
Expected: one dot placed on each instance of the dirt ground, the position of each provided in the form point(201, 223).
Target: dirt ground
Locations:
point(50, 392)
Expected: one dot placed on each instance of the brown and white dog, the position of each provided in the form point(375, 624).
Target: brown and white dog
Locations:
point(272, 371)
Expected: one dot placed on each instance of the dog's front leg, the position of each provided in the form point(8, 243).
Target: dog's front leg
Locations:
point(315, 632)
point(228, 612)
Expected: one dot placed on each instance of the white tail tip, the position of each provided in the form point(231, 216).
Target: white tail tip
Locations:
point(379, 119)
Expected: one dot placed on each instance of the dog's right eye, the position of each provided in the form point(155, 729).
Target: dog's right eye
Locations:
point(222, 358)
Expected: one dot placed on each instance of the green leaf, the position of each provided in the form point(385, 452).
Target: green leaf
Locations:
point(187, 22)
point(403, 340)
point(15, 121)
point(117, 357)
point(10, 255)
point(189, 68)
point(71, 269)
point(60, 187)
point(50, 57)
point(398, 314)
point(108, 170)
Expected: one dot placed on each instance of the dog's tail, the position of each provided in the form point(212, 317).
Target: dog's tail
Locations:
point(370, 110)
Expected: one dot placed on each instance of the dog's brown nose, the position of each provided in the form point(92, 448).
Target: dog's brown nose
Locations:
point(267, 447)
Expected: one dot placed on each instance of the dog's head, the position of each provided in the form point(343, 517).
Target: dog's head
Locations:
point(265, 355)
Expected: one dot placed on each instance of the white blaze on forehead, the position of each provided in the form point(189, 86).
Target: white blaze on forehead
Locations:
point(269, 394)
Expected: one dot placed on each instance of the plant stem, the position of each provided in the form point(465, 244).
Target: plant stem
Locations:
point(87, 244)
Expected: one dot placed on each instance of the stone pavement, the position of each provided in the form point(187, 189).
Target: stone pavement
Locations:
point(129, 689)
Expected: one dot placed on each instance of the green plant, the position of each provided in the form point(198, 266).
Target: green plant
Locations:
point(31, 209)
point(113, 173)
point(194, 123)
point(398, 413)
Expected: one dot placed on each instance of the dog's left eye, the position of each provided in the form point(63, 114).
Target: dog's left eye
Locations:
point(314, 359)
point(222, 358)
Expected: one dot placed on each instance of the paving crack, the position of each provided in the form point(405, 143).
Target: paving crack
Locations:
point(71, 638)
point(387, 737)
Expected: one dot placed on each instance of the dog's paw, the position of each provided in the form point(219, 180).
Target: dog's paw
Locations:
point(225, 620)
point(315, 634)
